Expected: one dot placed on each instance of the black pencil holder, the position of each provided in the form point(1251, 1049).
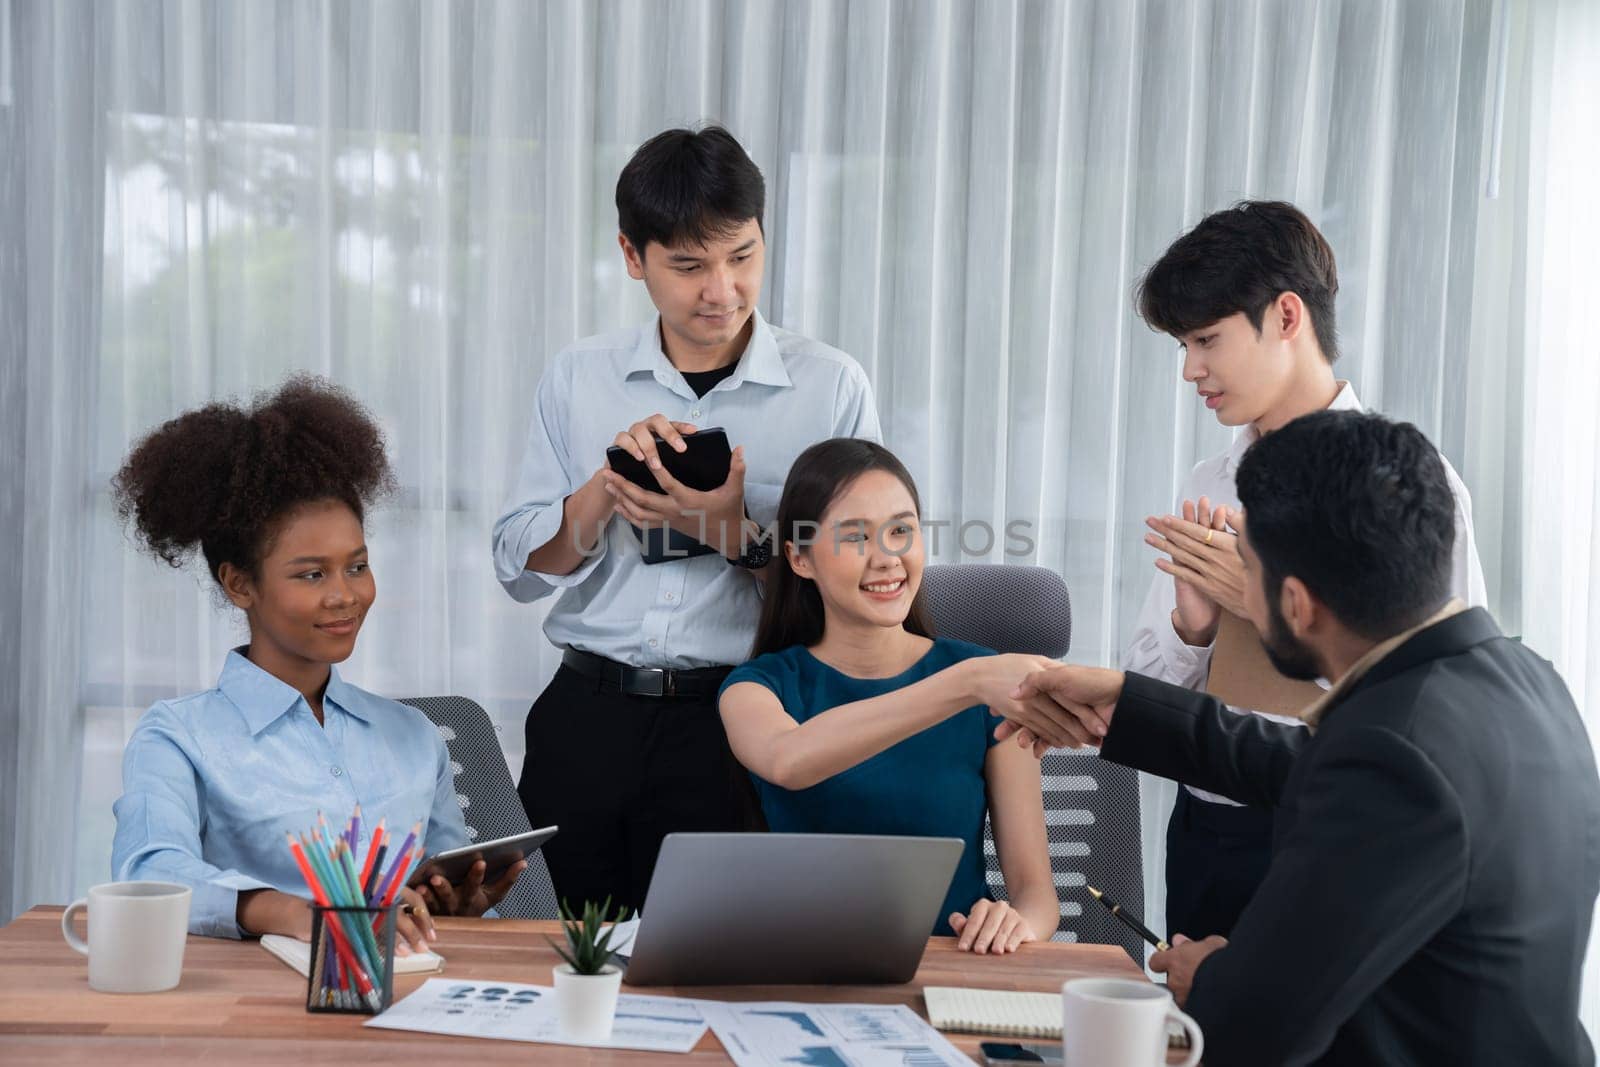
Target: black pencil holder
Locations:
point(352, 959)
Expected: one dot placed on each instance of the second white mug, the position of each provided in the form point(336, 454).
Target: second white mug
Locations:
point(1120, 1022)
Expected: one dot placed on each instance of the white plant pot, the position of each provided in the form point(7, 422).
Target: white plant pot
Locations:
point(586, 1004)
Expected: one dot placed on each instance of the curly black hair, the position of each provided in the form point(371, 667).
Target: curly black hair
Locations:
point(1359, 509)
point(223, 477)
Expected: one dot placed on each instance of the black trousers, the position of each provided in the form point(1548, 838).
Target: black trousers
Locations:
point(618, 773)
point(1217, 856)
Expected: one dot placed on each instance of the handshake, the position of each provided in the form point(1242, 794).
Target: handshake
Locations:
point(1054, 705)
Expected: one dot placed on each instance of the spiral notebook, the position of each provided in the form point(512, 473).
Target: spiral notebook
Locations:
point(994, 1011)
point(297, 954)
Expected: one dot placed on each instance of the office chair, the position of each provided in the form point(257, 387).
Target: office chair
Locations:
point(1091, 808)
point(488, 797)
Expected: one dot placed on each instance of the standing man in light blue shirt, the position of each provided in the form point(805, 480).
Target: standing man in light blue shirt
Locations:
point(647, 645)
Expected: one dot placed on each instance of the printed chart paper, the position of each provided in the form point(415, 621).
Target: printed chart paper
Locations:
point(511, 1011)
point(829, 1035)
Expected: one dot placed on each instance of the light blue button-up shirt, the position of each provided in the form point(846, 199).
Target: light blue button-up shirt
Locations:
point(788, 393)
point(212, 782)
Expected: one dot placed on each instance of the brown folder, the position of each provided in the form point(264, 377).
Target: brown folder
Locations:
point(1243, 677)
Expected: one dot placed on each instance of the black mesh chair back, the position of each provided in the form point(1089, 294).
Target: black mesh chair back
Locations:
point(488, 797)
point(1091, 808)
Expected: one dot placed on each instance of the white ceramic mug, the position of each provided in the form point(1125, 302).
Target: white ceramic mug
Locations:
point(137, 931)
point(1120, 1022)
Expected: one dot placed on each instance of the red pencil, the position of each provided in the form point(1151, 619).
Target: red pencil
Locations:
point(372, 851)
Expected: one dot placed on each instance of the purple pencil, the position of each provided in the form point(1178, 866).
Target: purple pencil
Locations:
point(395, 870)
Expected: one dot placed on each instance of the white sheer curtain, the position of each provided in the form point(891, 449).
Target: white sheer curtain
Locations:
point(415, 199)
point(1561, 521)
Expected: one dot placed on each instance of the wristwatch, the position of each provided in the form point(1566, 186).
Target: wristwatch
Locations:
point(757, 553)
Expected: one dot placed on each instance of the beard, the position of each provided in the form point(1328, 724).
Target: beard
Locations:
point(1292, 658)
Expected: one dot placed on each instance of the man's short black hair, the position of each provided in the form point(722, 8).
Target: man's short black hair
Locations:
point(1242, 259)
point(687, 187)
point(1359, 509)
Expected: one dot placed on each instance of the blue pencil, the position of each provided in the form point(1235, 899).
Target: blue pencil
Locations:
point(372, 875)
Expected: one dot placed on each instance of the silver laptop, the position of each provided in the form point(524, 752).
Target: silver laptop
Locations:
point(790, 909)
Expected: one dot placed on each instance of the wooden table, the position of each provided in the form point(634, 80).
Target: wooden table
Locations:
point(238, 1004)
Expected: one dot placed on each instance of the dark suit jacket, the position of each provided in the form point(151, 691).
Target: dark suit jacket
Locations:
point(1435, 862)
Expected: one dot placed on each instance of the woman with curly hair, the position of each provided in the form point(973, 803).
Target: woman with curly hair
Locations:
point(273, 497)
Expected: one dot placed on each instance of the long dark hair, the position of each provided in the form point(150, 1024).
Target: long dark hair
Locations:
point(792, 613)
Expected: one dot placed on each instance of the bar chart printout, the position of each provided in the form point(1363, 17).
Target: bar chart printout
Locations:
point(829, 1035)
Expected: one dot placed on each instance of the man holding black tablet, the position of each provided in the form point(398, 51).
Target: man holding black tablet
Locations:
point(625, 745)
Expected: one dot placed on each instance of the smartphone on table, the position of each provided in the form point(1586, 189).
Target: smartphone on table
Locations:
point(1006, 1053)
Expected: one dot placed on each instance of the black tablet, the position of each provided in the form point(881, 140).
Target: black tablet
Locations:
point(499, 854)
point(703, 465)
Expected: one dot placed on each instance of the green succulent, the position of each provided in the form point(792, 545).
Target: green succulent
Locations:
point(588, 948)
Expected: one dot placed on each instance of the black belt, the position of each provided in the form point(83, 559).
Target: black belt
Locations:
point(647, 681)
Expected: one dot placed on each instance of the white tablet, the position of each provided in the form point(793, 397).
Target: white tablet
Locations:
point(500, 854)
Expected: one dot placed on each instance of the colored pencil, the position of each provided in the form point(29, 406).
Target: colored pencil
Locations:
point(372, 852)
point(401, 861)
point(405, 847)
point(370, 886)
point(388, 880)
point(397, 883)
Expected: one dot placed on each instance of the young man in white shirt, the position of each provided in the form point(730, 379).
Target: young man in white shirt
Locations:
point(625, 745)
point(1249, 295)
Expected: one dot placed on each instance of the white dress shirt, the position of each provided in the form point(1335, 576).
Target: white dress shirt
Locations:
point(788, 393)
point(1156, 649)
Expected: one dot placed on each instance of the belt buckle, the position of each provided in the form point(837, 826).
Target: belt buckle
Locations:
point(649, 681)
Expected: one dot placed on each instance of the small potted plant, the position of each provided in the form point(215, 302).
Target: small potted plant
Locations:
point(587, 983)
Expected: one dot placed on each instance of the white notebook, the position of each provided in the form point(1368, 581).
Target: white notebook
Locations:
point(297, 954)
point(993, 1011)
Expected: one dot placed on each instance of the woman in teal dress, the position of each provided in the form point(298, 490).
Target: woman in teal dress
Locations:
point(854, 718)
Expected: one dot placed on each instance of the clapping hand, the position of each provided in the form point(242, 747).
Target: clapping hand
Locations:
point(1205, 565)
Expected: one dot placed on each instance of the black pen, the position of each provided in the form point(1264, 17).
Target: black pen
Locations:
point(1133, 924)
